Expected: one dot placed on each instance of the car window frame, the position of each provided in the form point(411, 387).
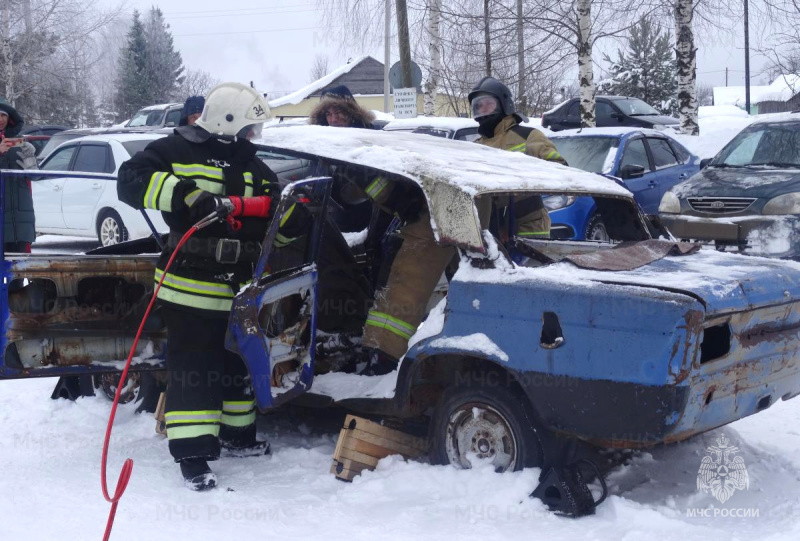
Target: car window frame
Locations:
point(653, 156)
point(575, 103)
point(59, 150)
point(610, 105)
point(108, 154)
point(650, 161)
point(177, 122)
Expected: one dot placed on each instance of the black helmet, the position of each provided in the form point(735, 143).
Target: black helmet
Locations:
point(490, 85)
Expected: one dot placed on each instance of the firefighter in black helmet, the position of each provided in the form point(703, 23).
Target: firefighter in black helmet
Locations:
point(493, 108)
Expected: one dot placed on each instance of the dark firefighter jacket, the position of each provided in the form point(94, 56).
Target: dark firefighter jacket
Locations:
point(532, 217)
point(166, 176)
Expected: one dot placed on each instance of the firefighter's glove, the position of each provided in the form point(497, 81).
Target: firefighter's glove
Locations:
point(202, 204)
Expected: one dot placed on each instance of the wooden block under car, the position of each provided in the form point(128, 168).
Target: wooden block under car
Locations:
point(362, 443)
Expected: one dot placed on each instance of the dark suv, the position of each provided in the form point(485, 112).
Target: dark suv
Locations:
point(610, 111)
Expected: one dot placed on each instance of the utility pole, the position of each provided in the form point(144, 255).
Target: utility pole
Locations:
point(726, 76)
point(387, 49)
point(521, 101)
point(746, 60)
point(405, 45)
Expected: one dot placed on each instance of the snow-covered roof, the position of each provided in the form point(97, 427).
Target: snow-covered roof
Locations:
point(299, 95)
point(473, 168)
point(782, 89)
point(441, 122)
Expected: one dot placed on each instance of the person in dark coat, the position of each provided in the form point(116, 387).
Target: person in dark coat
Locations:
point(338, 108)
point(18, 219)
point(192, 109)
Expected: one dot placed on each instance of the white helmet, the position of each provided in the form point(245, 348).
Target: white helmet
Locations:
point(230, 107)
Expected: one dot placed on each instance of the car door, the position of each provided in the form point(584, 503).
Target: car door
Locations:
point(81, 195)
point(668, 170)
point(47, 192)
point(644, 188)
point(273, 321)
point(603, 112)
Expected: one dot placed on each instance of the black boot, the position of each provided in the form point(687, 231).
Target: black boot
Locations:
point(241, 442)
point(378, 363)
point(197, 475)
point(257, 448)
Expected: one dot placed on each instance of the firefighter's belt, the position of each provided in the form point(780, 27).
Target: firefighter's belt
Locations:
point(221, 250)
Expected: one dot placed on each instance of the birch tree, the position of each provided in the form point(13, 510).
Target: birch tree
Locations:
point(435, 50)
point(686, 62)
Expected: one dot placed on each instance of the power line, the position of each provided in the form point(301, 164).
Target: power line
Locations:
point(255, 31)
point(233, 10)
point(249, 14)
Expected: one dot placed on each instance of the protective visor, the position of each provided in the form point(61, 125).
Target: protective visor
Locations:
point(251, 131)
point(484, 105)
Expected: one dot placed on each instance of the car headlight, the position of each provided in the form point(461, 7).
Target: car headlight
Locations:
point(555, 202)
point(670, 204)
point(788, 203)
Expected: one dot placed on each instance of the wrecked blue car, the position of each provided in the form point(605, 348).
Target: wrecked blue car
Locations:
point(627, 343)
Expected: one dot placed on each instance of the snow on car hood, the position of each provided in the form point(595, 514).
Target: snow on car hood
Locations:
point(758, 181)
point(473, 168)
point(723, 282)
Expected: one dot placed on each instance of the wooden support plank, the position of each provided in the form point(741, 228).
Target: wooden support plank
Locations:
point(371, 461)
point(161, 423)
point(376, 429)
point(396, 447)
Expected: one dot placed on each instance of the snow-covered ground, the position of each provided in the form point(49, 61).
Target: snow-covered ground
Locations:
point(50, 485)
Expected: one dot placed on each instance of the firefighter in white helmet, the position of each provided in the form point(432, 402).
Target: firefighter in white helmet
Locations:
point(210, 407)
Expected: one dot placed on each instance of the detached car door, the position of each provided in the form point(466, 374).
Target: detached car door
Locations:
point(47, 192)
point(81, 195)
point(273, 320)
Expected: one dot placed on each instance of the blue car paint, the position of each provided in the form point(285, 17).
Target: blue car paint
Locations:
point(577, 215)
point(635, 347)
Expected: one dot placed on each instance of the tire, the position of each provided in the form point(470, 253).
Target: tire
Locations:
point(490, 421)
point(596, 229)
point(110, 229)
point(107, 383)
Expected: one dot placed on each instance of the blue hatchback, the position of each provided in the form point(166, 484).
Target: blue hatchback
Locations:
point(647, 162)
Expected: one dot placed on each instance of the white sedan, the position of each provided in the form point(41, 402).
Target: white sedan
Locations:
point(89, 207)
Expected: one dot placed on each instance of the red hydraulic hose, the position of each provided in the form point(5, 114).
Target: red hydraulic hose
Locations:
point(127, 467)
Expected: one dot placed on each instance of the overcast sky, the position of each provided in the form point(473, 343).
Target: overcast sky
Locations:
point(274, 42)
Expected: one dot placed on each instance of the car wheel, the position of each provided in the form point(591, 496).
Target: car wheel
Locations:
point(596, 229)
point(107, 383)
point(486, 424)
point(110, 229)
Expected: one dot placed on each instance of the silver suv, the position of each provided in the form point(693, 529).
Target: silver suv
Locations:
point(156, 116)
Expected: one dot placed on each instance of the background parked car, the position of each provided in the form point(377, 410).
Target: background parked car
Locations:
point(748, 197)
point(462, 129)
point(88, 207)
point(62, 137)
point(156, 116)
point(648, 162)
point(610, 111)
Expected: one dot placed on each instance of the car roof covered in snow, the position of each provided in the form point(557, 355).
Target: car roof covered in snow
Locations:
point(471, 167)
point(441, 122)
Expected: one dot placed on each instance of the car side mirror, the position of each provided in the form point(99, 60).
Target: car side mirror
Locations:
point(617, 116)
point(704, 162)
point(631, 171)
